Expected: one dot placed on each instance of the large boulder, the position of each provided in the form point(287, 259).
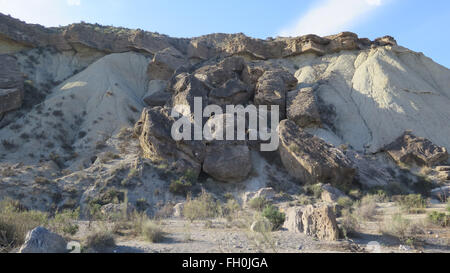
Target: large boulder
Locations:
point(312, 160)
point(164, 64)
point(11, 84)
point(41, 240)
point(410, 149)
point(330, 194)
point(228, 163)
point(232, 92)
point(272, 88)
point(218, 74)
point(186, 88)
point(157, 94)
point(154, 130)
point(318, 221)
point(302, 108)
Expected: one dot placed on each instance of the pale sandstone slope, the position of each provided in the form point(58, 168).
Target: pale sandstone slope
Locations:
point(380, 93)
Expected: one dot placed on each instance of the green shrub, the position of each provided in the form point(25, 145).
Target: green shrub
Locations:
point(439, 218)
point(413, 203)
point(202, 208)
point(258, 203)
point(64, 222)
point(275, 217)
point(345, 202)
point(183, 185)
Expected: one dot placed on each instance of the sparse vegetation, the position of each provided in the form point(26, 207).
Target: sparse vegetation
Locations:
point(366, 208)
point(413, 203)
point(152, 232)
point(183, 184)
point(258, 203)
point(201, 208)
point(15, 222)
point(439, 218)
point(349, 225)
point(100, 240)
point(403, 229)
point(275, 217)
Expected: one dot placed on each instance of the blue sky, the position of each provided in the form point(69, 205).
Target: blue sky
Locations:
point(419, 25)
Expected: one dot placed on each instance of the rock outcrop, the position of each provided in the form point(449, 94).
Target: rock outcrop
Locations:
point(302, 108)
point(318, 221)
point(312, 160)
point(228, 163)
point(409, 149)
point(155, 135)
point(40, 240)
point(330, 194)
point(11, 84)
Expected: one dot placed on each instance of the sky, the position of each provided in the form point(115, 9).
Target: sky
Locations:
point(419, 25)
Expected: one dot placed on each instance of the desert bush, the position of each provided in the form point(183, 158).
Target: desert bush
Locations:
point(230, 209)
point(401, 228)
point(183, 184)
point(413, 203)
point(448, 205)
point(345, 202)
point(152, 232)
point(100, 240)
point(201, 208)
point(366, 208)
point(314, 190)
point(15, 223)
point(63, 222)
point(258, 203)
point(349, 225)
point(275, 217)
point(439, 219)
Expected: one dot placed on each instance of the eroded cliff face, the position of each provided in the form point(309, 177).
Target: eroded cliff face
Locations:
point(345, 100)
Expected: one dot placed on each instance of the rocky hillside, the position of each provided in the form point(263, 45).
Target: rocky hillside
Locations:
point(85, 116)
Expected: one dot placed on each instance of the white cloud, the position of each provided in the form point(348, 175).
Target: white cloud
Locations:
point(73, 2)
point(331, 16)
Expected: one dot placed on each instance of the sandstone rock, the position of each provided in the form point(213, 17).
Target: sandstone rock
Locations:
point(165, 63)
point(217, 75)
point(267, 193)
point(272, 88)
point(187, 88)
point(409, 149)
point(11, 84)
point(302, 108)
point(330, 194)
point(40, 240)
point(154, 131)
point(157, 94)
point(313, 220)
point(370, 171)
point(228, 163)
point(232, 92)
point(312, 160)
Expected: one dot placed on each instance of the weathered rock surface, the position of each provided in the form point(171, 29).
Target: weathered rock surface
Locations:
point(312, 160)
point(154, 131)
point(441, 193)
point(267, 193)
point(40, 240)
point(11, 84)
point(330, 194)
point(409, 149)
point(165, 63)
point(302, 108)
point(314, 220)
point(232, 92)
point(272, 88)
point(228, 163)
